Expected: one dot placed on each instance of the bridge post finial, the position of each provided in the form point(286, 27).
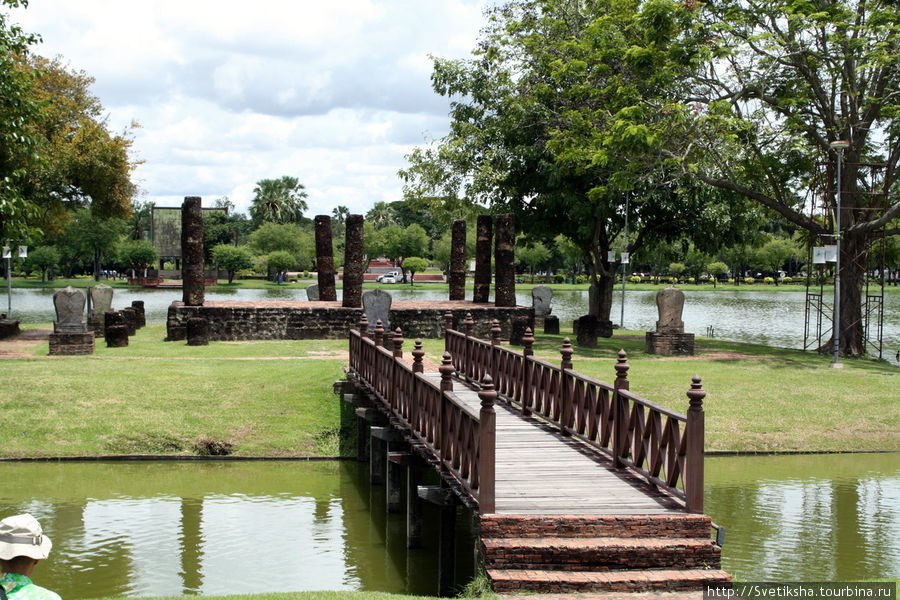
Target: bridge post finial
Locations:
point(620, 411)
point(418, 353)
point(527, 351)
point(470, 324)
point(495, 332)
point(695, 432)
point(363, 326)
point(446, 369)
point(621, 381)
point(379, 333)
point(487, 434)
point(398, 343)
point(566, 351)
point(448, 320)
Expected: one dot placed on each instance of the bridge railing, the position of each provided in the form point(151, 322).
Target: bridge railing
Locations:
point(663, 446)
point(463, 439)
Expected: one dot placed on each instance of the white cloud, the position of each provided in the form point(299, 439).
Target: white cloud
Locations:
point(334, 93)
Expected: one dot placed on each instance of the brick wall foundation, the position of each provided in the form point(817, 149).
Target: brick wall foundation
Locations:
point(231, 321)
point(670, 344)
point(72, 343)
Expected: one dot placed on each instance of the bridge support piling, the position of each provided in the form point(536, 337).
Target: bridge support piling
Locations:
point(394, 491)
point(378, 453)
point(413, 467)
point(365, 418)
point(445, 499)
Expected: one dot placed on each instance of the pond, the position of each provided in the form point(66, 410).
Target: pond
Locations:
point(167, 528)
point(773, 318)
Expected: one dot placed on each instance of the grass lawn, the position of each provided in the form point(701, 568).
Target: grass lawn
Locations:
point(274, 398)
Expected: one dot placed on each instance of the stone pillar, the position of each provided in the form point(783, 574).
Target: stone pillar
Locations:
point(458, 261)
point(138, 306)
point(115, 331)
point(325, 258)
point(505, 261)
point(192, 252)
point(483, 259)
point(353, 262)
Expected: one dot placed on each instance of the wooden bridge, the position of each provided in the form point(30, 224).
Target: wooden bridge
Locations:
point(578, 485)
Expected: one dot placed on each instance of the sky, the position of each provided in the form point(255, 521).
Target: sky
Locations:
point(333, 92)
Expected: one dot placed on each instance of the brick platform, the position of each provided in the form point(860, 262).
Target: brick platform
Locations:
point(236, 320)
point(622, 554)
point(72, 343)
point(670, 344)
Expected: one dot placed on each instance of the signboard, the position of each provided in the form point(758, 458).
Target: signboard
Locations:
point(611, 256)
point(818, 255)
point(831, 253)
point(6, 252)
point(625, 257)
point(165, 229)
point(23, 251)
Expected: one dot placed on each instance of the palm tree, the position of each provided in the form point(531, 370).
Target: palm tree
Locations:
point(380, 215)
point(339, 213)
point(278, 201)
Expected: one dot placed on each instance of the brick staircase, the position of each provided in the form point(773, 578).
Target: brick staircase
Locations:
point(620, 553)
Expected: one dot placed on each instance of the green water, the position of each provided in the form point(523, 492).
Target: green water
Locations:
point(213, 528)
point(831, 517)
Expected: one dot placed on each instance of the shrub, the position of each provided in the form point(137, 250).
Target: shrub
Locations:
point(768, 280)
point(749, 280)
point(559, 278)
point(635, 279)
point(581, 279)
point(787, 280)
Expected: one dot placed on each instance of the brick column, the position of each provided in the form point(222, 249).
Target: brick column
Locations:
point(504, 261)
point(325, 258)
point(192, 252)
point(483, 259)
point(353, 262)
point(458, 261)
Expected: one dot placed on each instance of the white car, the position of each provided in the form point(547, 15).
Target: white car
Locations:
point(389, 277)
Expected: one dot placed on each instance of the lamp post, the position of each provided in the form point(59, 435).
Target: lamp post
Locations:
point(625, 261)
point(839, 146)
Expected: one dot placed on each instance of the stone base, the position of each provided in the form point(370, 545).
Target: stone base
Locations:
point(670, 344)
point(8, 327)
point(551, 325)
point(72, 343)
point(273, 320)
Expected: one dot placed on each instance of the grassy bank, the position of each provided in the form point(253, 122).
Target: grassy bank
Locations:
point(274, 398)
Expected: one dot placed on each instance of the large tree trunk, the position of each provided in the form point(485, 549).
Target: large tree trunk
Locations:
point(600, 294)
point(853, 274)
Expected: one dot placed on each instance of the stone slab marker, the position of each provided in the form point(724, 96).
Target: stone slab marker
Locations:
point(353, 262)
point(70, 334)
point(483, 259)
point(192, 252)
point(312, 292)
point(505, 261)
point(458, 261)
point(669, 338)
point(325, 259)
point(377, 305)
point(101, 303)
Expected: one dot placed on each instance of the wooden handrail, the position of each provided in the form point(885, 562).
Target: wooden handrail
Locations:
point(461, 437)
point(663, 446)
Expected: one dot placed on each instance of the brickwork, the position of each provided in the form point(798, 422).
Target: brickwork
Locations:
point(231, 321)
point(72, 343)
point(557, 554)
point(670, 344)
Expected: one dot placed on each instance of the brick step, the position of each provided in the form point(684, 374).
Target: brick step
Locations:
point(600, 554)
point(550, 582)
point(622, 526)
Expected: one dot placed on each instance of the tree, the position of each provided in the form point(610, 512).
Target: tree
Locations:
point(414, 264)
point(778, 82)
point(271, 237)
point(380, 215)
point(86, 165)
point(279, 262)
point(716, 269)
point(44, 258)
point(534, 255)
point(95, 237)
point(773, 255)
point(137, 254)
point(232, 259)
point(19, 142)
point(222, 228)
point(340, 213)
point(556, 120)
point(278, 201)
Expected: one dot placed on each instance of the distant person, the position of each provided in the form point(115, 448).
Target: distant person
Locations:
point(22, 545)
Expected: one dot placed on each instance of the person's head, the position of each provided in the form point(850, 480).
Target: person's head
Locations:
point(22, 544)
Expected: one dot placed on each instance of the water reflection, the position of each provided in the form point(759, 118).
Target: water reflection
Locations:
point(808, 517)
point(163, 528)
